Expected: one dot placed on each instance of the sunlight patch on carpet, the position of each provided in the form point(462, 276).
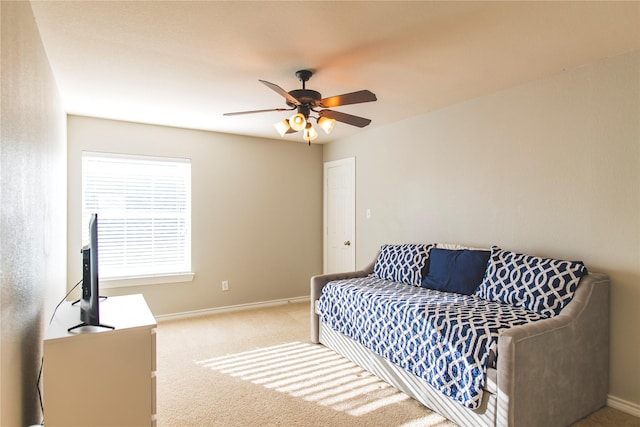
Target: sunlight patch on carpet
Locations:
point(431, 420)
point(311, 372)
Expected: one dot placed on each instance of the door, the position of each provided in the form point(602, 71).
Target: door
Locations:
point(339, 216)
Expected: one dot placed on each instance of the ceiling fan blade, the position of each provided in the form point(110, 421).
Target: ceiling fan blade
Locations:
point(257, 111)
point(345, 118)
point(348, 98)
point(281, 91)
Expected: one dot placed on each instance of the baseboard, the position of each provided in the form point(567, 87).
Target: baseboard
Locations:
point(226, 309)
point(624, 406)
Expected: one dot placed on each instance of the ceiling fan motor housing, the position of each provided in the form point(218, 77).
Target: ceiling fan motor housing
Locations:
point(307, 97)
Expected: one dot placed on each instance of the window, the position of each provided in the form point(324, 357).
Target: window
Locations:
point(144, 215)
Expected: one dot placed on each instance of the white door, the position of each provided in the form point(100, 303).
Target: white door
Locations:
point(339, 216)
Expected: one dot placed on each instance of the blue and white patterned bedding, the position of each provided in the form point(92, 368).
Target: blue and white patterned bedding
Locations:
point(444, 338)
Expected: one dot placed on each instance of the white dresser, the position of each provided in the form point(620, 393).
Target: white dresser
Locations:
point(101, 377)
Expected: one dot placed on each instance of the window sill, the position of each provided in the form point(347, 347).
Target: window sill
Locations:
point(125, 282)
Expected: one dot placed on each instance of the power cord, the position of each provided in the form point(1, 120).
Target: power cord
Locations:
point(42, 358)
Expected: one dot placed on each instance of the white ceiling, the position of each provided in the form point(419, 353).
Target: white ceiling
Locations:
point(184, 63)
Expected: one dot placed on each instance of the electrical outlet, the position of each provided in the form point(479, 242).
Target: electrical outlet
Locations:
point(225, 285)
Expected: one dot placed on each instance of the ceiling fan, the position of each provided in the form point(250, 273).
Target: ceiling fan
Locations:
point(306, 102)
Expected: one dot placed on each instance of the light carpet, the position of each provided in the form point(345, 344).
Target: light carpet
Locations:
point(257, 368)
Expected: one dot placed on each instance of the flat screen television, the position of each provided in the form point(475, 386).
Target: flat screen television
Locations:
point(90, 300)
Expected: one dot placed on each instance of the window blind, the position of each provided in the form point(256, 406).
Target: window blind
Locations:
point(144, 213)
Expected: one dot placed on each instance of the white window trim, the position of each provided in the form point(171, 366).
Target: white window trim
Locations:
point(125, 282)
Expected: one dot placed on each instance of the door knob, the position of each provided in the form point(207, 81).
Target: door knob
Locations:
point(347, 243)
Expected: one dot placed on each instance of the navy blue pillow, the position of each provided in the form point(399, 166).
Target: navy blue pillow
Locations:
point(456, 270)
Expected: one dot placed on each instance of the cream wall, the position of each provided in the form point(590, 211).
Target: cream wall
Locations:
point(32, 210)
point(550, 168)
point(256, 212)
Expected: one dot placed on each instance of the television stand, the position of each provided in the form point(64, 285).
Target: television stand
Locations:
point(97, 376)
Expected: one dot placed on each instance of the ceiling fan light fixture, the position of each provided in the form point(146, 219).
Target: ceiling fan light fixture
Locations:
point(282, 127)
point(310, 133)
point(297, 122)
point(326, 124)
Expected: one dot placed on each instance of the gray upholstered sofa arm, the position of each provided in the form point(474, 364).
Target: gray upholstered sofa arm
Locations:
point(318, 282)
point(569, 352)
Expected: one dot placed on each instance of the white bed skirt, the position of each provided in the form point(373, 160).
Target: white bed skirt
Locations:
point(413, 386)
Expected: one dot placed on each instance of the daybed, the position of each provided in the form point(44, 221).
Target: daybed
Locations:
point(546, 366)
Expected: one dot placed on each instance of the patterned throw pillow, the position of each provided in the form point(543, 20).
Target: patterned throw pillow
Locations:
point(402, 263)
point(541, 285)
